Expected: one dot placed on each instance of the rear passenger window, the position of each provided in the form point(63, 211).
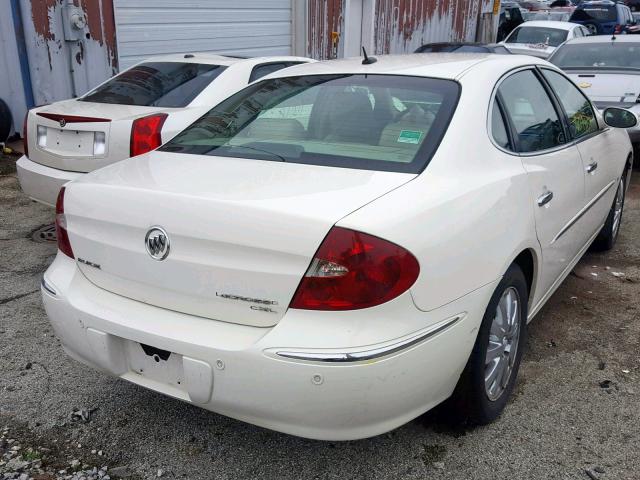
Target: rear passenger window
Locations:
point(260, 71)
point(582, 120)
point(535, 119)
point(498, 129)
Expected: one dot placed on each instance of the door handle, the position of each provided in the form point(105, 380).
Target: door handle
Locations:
point(545, 198)
point(592, 167)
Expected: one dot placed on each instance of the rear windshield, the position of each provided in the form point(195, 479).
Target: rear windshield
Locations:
point(443, 48)
point(595, 13)
point(538, 35)
point(373, 122)
point(156, 84)
point(598, 56)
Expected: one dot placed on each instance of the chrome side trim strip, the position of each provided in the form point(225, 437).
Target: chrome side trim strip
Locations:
point(48, 287)
point(579, 215)
point(371, 353)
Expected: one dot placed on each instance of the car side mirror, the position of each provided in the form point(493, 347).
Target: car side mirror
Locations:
point(619, 117)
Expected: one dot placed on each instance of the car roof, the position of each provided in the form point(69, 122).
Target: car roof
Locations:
point(435, 65)
point(605, 39)
point(550, 24)
point(213, 59)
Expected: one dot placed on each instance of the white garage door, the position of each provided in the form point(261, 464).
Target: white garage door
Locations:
point(233, 27)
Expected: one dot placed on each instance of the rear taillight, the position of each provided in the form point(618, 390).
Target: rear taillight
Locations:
point(146, 134)
point(61, 226)
point(353, 270)
point(25, 140)
point(617, 29)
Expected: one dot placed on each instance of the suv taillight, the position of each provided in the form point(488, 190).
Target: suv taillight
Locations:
point(25, 140)
point(61, 226)
point(618, 29)
point(146, 134)
point(353, 270)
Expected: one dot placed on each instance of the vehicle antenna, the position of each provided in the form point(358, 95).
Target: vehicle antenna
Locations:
point(367, 59)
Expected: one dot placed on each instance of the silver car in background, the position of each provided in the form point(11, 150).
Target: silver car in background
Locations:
point(607, 69)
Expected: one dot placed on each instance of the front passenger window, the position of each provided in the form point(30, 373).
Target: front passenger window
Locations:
point(582, 120)
point(528, 105)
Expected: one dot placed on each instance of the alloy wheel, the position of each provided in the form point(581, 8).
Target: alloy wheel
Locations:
point(502, 350)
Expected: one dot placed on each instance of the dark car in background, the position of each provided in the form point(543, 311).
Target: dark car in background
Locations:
point(510, 18)
point(634, 5)
point(462, 47)
point(603, 17)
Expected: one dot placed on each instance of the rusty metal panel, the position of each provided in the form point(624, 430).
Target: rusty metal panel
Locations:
point(11, 88)
point(325, 26)
point(61, 67)
point(401, 26)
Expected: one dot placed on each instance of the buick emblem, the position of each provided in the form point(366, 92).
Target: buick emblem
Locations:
point(63, 122)
point(157, 243)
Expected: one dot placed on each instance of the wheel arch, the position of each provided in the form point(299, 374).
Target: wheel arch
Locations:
point(528, 260)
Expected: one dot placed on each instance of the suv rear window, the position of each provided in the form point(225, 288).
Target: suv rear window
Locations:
point(372, 122)
point(156, 84)
point(599, 13)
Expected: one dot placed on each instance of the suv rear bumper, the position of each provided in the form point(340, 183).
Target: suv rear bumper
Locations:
point(42, 183)
point(239, 371)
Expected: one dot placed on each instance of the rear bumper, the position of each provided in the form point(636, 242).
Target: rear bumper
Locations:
point(239, 371)
point(42, 183)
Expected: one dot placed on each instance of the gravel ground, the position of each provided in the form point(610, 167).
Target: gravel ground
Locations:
point(575, 413)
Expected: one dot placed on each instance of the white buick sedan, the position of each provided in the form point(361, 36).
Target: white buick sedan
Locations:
point(342, 246)
point(128, 115)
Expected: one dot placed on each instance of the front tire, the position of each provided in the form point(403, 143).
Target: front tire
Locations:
point(607, 237)
point(490, 375)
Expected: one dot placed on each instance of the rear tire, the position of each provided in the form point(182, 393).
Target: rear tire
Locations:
point(482, 393)
point(592, 27)
point(607, 237)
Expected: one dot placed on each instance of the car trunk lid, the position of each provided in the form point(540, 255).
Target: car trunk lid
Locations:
point(540, 50)
point(242, 233)
point(82, 136)
point(608, 88)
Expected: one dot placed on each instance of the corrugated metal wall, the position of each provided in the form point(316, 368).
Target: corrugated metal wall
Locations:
point(403, 25)
point(324, 17)
point(239, 27)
